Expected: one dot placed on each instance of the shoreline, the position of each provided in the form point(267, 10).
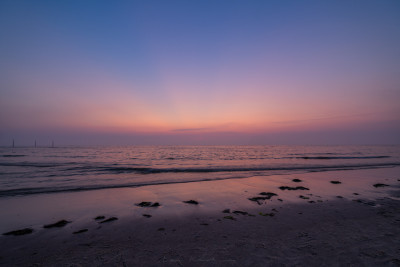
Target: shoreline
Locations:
point(278, 172)
point(354, 229)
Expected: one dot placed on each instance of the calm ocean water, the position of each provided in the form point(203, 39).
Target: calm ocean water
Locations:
point(25, 171)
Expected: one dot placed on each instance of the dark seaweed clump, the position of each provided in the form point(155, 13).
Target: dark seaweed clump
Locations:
point(80, 231)
point(20, 232)
point(293, 188)
point(268, 194)
point(61, 223)
point(240, 212)
point(380, 185)
point(267, 214)
point(148, 204)
point(336, 182)
point(297, 180)
point(265, 196)
point(194, 202)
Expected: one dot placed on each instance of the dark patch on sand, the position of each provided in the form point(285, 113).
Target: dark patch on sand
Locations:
point(101, 217)
point(161, 229)
point(226, 211)
point(268, 194)
point(266, 214)
point(369, 203)
point(303, 197)
point(148, 204)
point(193, 202)
point(297, 180)
point(147, 215)
point(380, 185)
point(336, 182)
point(240, 212)
point(258, 199)
point(24, 231)
point(293, 188)
point(80, 231)
point(230, 218)
point(111, 219)
point(265, 196)
point(61, 223)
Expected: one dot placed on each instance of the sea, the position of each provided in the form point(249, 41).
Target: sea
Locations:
point(52, 170)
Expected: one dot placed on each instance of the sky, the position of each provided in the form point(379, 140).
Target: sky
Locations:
point(199, 72)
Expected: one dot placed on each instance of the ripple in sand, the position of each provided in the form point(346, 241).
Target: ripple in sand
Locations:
point(111, 219)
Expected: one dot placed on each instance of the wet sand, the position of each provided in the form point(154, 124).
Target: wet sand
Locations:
point(214, 223)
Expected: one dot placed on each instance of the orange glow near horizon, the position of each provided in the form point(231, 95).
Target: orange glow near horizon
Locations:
point(180, 111)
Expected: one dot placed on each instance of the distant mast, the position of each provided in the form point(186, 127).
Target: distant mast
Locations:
point(13, 145)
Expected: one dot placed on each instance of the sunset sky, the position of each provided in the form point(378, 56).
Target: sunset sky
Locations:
point(200, 72)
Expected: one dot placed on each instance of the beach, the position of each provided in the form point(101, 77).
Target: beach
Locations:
point(332, 218)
